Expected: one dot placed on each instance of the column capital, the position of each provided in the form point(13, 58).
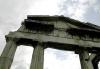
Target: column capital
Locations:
point(42, 44)
point(80, 50)
point(12, 39)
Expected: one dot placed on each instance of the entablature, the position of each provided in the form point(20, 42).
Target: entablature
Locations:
point(65, 43)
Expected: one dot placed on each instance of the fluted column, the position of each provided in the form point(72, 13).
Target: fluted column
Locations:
point(7, 55)
point(95, 60)
point(85, 60)
point(37, 57)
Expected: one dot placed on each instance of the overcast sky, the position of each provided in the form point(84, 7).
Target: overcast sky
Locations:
point(13, 12)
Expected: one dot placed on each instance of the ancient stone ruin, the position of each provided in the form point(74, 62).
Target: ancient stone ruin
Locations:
point(57, 32)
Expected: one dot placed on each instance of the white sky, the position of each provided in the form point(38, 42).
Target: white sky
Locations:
point(13, 12)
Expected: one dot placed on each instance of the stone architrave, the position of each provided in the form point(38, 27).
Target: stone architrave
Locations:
point(85, 60)
point(7, 55)
point(37, 57)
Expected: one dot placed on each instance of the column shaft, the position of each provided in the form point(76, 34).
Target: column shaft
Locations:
point(37, 57)
point(7, 55)
point(95, 60)
point(7, 48)
point(86, 63)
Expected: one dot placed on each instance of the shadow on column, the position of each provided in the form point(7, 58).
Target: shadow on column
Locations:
point(95, 61)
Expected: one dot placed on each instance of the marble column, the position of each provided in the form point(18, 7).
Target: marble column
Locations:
point(7, 55)
point(37, 57)
point(95, 60)
point(85, 60)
